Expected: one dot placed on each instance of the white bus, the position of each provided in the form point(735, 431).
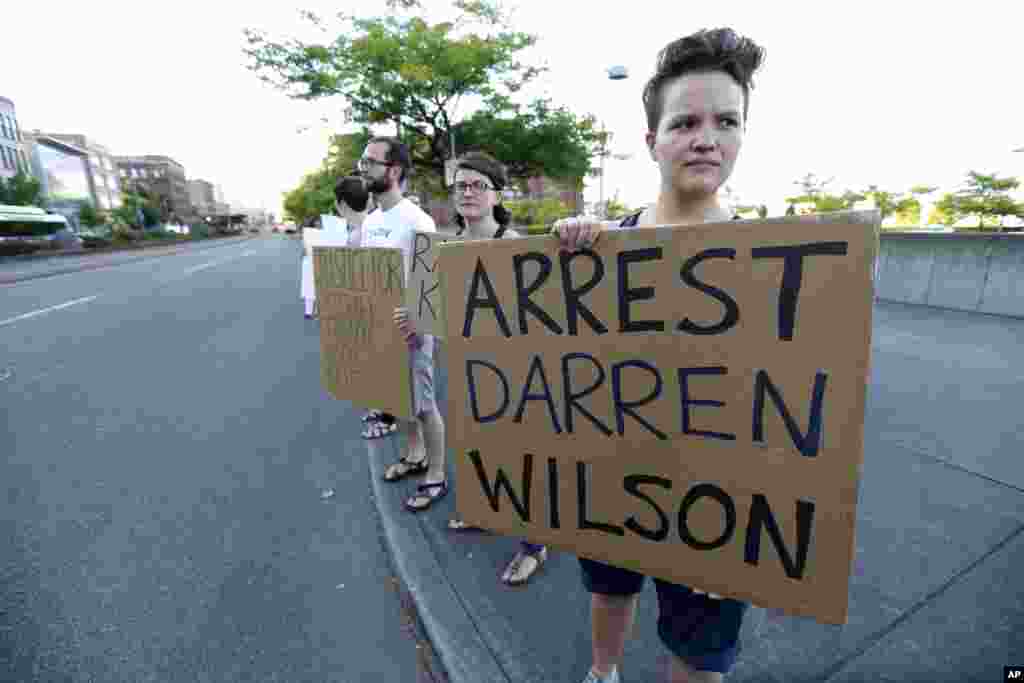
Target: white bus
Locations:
point(28, 222)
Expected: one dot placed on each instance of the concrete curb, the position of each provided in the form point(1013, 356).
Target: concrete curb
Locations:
point(449, 626)
point(146, 254)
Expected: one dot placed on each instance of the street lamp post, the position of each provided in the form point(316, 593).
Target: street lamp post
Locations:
point(615, 73)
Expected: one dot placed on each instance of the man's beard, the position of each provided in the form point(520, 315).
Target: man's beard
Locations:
point(378, 185)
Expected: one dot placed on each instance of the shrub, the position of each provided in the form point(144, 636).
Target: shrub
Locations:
point(96, 242)
point(151, 235)
point(122, 233)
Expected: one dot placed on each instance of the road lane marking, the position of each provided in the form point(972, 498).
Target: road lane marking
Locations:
point(211, 264)
point(41, 311)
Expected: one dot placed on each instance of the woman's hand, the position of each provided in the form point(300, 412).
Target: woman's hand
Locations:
point(581, 232)
point(403, 323)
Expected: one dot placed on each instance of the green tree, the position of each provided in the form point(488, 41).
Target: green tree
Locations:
point(89, 216)
point(313, 197)
point(985, 197)
point(944, 211)
point(414, 74)
point(905, 206)
point(762, 211)
point(21, 190)
point(135, 200)
point(615, 209)
point(814, 191)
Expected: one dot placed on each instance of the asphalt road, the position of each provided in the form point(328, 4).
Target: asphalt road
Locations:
point(166, 449)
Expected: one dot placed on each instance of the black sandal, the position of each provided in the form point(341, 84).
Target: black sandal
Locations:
point(405, 468)
point(377, 429)
point(456, 524)
point(429, 492)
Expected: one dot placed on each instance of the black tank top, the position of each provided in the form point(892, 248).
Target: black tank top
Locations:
point(633, 219)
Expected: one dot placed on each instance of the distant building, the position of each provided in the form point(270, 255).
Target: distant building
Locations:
point(13, 157)
point(63, 173)
point(160, 175)
point(103, 181)
point(203, 196)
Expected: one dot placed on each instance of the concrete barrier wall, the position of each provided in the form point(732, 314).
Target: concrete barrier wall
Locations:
point(967, 272)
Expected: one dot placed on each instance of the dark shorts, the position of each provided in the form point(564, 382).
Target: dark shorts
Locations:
point(703, 632)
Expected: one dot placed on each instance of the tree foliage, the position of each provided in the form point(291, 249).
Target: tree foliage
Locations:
point(21, 190)
point(89, 216)
point(985, 197)
point(402, 69)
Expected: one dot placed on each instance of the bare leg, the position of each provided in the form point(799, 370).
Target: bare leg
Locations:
point(432, 427)
point(611, 620)
point(413, 440)
point(681, 672)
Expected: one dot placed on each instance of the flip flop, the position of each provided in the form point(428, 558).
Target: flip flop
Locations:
point(430, 492)
point(514, 574)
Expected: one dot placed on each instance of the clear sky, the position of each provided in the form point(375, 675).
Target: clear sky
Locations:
point(893, 93)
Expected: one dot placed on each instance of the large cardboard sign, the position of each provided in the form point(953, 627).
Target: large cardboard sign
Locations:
point(685, 402)
point(423, 295)
point(363, 358)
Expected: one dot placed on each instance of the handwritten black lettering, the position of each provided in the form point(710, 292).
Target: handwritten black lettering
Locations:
point(807, 444)
point(761, 517)
point(792, 276)
point(488, 300)
point(732, 311)
point(628, 295)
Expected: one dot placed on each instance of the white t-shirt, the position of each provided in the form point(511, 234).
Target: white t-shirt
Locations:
point(396, 229)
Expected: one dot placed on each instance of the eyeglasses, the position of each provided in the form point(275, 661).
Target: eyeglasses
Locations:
point(365, 163)
point(476, 186)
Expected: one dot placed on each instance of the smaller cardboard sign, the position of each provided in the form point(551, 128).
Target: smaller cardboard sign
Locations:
point(363, 358)
point(423, 295)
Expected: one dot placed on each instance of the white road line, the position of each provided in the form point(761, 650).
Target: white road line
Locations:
point(41, 311)
point(211, 264)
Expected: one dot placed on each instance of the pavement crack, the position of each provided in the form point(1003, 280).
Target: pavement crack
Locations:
point(880, 635)
point(960, 468)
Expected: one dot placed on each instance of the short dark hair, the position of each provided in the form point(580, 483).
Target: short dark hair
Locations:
point(398, 154)
point(484, 163)
point(720, 49)
point(352, 191)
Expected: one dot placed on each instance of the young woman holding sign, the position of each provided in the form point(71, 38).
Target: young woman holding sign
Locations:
point(696, 104)
point(479, 180)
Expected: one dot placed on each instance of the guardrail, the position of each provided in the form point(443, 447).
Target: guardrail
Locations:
point(964, 271)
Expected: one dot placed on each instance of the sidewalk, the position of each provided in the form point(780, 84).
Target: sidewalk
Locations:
point(937, 592)
point(18, 269)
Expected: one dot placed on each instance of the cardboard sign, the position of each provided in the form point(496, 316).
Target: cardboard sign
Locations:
point(363, 358)
point(423, 296)
point(685, 402)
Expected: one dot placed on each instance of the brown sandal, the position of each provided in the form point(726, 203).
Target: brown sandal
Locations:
point(429, 493)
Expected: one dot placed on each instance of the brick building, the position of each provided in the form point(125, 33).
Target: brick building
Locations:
point(160, 175)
